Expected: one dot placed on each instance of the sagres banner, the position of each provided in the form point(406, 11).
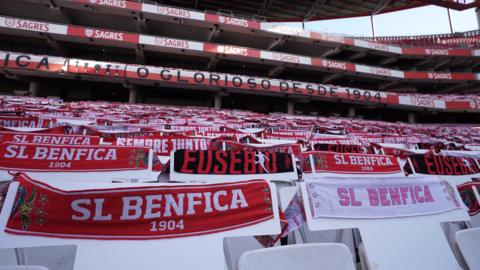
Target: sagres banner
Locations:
point(71, 158)
point(133, 213)
point(380, 197)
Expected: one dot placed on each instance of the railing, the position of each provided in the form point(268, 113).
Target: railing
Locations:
point(229, 13)
point(222, 12)
point(470, 39)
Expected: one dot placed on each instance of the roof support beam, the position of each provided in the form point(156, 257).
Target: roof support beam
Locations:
point(274, 72)
point(331, 52)
point(213, 34)
point(276, 43)
point(472, 90)
point(10, 75)
point(423, 62)
point(265, 6)
point(141, 24)
point(357, 56)
point(454, 87)
point(212, 64)
point(54, 44)
point(331, 78)
point(140, 54)
point(404, 89)
point(442, 63)
point(313, 10)
point(381, 6)
point(474, 65)
point(388, 61)
point(387, 85)
point(60, 11)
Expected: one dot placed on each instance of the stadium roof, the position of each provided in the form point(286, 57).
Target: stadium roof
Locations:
point(308, 10)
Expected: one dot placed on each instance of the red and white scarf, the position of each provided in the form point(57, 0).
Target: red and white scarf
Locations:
point(380, 198)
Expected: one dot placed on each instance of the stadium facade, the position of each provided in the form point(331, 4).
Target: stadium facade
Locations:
point(182, 53)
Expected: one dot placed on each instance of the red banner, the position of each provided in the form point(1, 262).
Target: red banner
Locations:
point(164, 145)
point(231, 162)
point(468, 196)
point(443, 165)
point(112, 135)
point(333, 140)
point(349, 163)
point(401, 153)
point(55, 130)
point(137, 213)
point(233, 135)
point(71, 158)
point(285, 136)
point(24, 122)
point(344, 148)
point(291, 148)
point(38, 138)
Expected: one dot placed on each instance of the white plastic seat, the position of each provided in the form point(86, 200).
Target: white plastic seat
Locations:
point(48, 257)
point(23, 267)
point(303, 235)
point(469, 244)
point(236, 246)
point(319, 256)
point(364, 264)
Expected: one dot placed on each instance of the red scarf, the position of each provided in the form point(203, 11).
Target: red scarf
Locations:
point(468, 196)
point(71, 158)
point(136, 213)
point(348, 163)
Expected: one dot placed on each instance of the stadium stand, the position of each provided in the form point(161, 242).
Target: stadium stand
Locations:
point(206, 135)
point(468, 39)
point(97, 143)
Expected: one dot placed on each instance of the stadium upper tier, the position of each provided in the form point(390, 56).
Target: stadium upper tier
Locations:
point(319, 57)
point(178, 22)
point(308, 10)
point(465, 40)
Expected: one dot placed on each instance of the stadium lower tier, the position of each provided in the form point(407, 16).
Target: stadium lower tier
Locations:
point(47, 113)
point(84, 90)
point(98, 176)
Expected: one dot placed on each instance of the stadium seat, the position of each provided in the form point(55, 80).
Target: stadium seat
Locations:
point(39, 257)
point(370, 146)
point(299, 257)
point(364, 264)
point(450, 230)
point(303, 235)
point(234, 248)
point(285, 195)
point(469, 244)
